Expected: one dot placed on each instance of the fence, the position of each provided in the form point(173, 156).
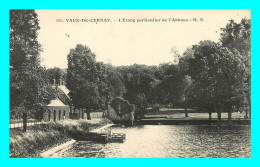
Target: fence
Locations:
point(16, 123)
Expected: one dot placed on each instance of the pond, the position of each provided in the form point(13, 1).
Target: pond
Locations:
point(169, 141)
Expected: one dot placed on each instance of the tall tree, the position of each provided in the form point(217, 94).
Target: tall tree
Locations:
point(28, 84)
point(112, 80)
point(82, 78)
point(238, 36)
point(176, 82)
point(218, 75)
point(138, 80)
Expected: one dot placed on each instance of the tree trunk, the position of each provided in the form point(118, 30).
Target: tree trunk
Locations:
point(79, 113)
point(229, 115)
point(82, 113)
point(186, 111)
point(210, 115)
point(88, 115)
point(135, 116)
point(246, 109)
point(107, 112)
point(219, 114)
point(217, 110)
point(24, 121)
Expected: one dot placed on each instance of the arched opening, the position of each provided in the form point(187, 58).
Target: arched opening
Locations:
point(49, 115)
point(59, 114)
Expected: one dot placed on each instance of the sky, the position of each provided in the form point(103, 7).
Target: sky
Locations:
point(125, 37)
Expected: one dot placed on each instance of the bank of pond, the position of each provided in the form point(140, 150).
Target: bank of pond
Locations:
point(42, 137)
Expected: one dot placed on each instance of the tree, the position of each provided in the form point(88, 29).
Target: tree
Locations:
point(116, 81)
point(233, 79)
point(82, 78)
point(111, 84)
point(138, 82)
point(28, 84)
point(176, 82)
point(218, 75)
point(176, 55)
point(57, 74)
point(238, 36)
point(187, 82)
point(104, 88)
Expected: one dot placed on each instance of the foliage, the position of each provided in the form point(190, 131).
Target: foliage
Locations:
point(110, 83)
point(218, 75)
point(238, 36)
point(82, 78)
point(138, 80)
point(28, 80)
point(209, 75)
point(57, 74)
point(92, 84)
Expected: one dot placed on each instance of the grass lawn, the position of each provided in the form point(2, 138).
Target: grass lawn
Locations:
point(179, 113)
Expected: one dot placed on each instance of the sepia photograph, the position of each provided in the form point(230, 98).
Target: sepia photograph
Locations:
point(129, 83)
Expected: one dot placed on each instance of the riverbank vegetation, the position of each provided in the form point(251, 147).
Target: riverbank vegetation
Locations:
point(41, 137)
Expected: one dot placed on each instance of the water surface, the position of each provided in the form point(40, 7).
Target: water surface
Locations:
point(169, 141)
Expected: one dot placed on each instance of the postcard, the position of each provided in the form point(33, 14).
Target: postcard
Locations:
point(130, 83)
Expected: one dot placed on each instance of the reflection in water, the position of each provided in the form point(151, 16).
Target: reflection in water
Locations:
point(169, 141)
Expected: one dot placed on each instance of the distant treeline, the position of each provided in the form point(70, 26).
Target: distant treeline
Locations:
point(212, 76)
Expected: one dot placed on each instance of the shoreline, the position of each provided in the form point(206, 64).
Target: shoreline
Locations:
point(44, 137)
point(48, 153)
point(192, 122)
point(42, 141)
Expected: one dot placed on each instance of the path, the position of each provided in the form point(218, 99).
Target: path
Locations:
point(51, 152)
